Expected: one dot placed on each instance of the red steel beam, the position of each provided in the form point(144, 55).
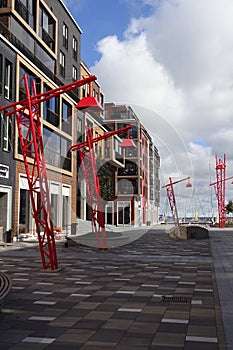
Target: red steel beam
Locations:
point(31, 141)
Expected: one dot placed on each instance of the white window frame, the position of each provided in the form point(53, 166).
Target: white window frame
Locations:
point(6, 124)
point(7, 79)
point(75, 73)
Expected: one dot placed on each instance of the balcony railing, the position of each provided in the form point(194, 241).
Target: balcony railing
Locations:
point(49, 41)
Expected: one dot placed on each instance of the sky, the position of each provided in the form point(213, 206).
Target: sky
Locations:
point(172, 61)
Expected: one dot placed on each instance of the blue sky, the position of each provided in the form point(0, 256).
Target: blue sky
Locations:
point(172, 61)
point(102, 18)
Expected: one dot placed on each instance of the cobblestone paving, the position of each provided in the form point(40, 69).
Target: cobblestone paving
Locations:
point(152, 294)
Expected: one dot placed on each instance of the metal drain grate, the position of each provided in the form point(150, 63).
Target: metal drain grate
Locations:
point(180, 300)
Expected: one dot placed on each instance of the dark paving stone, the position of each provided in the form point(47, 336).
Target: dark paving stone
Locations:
point(172, 328)
point(200, 346)
point(94, 321)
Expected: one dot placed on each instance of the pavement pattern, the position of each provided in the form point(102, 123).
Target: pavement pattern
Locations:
point(154, 293)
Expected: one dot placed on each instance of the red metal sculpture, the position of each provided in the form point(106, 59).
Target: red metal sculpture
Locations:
point(27, 117)
point(220, 189)
point(88, 163)
point(171, 197)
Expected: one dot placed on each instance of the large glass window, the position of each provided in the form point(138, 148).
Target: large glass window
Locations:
point(25, 210)
point(47, 28)
point(51, 109)
point(123, 213)
point(66, 117)
point(57, 149)
point(8, 80)
point(65, 154)
point(65, 212)
point(51, 147)
point(26, 9)
point(128, 186)
point(54, 209)
point(30, 78)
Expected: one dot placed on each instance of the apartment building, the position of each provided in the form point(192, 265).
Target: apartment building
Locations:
point(41, 39)
point(137, 195)
point(108, 154)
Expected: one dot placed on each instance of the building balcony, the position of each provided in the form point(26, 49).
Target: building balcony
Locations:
point(113, 157)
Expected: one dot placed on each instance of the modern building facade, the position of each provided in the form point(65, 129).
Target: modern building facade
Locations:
point(7, 162)
point(137, 186)
point(40, 39)
point(108, 154)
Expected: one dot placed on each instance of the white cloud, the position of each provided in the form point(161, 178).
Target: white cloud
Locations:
point(178, 63)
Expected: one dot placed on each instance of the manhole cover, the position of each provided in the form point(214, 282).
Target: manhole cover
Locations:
point(181, 300)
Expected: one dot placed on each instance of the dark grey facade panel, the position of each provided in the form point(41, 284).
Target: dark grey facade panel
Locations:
point(7, 157)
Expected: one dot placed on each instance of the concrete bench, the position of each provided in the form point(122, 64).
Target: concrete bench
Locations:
point(5, 286)
point(189, 232)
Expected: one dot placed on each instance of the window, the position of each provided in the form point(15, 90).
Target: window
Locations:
point(51, 147)
point(62, 64)
point(128, 186)
point(26, 9)
point(3, 3)
point(66, 117)
point(65, 154)
point(57, 149)
point(65, 212)
point(1, 67)
point(4, 171)
point(6, 133)
point(31, 77)
point(47, 28)
point(25, 209)
point(65, 35)
point(74, 73)
point(54, 208)
point(8, 80)
point(27, 139)
point(75, 49)
point(51, 109)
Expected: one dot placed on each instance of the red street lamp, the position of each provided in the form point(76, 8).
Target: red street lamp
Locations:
point(89, 101)
point(127, 142)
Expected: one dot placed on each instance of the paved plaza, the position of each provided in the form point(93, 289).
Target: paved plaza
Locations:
point(154, 293)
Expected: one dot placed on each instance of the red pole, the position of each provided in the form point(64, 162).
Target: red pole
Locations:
point(221, 189)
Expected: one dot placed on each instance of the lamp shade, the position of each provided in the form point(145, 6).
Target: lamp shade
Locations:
point(188, 184)
point(127, 143)
point(89, 102)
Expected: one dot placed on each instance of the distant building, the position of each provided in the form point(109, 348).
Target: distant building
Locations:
point(137, 185)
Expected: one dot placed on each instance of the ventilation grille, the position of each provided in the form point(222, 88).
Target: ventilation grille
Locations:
point(179, 300)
